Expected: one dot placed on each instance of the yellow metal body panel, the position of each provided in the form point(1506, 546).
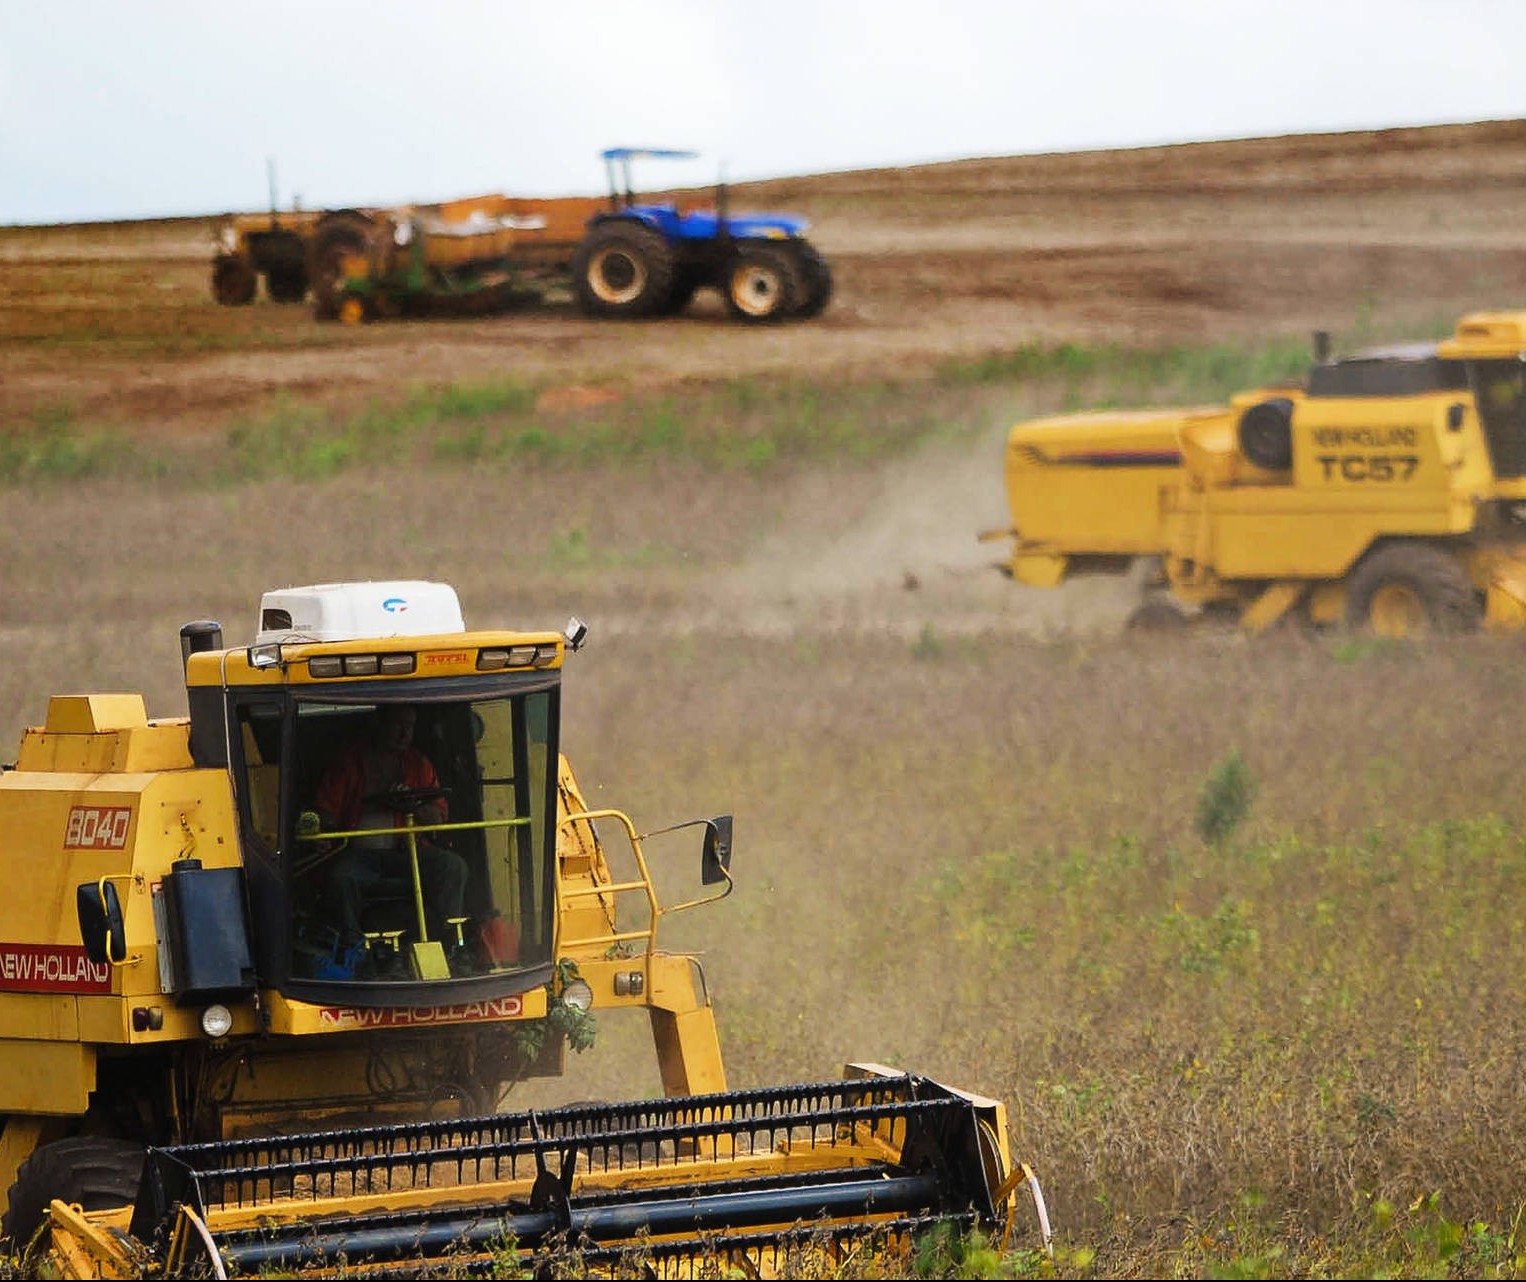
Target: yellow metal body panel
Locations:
point(451, 654)
point(1039, 569)
point(19, 1135)
point(1272, 605)
point(303, 1019)
point(1401, 445)
point(1101, 472)
point(47, 1077)
point(1485, 336)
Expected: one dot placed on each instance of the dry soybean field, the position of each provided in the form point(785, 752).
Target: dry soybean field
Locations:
point(970, 816)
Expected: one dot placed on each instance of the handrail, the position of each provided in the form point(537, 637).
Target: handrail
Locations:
point(644, 884)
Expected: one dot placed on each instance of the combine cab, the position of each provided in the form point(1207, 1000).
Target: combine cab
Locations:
point(249, 1029)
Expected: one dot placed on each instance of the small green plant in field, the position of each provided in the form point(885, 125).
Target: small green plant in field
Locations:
point(50, 445)
point(1110, 375)
point(928, 645)
point(571, 548)
point(503, 1261)
point(947, 1252)
point(1224, 800)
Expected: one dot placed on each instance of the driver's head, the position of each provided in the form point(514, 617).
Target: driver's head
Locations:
point(394, 726)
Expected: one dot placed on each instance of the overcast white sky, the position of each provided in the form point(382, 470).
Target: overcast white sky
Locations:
point(138, 108)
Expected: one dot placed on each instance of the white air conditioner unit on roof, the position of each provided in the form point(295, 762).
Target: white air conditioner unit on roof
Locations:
point(359, 611)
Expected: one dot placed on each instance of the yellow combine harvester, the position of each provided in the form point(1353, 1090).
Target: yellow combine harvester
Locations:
point(1387, 492)
point(269, 973)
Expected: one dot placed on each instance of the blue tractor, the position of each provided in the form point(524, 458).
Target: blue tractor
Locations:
point(640, 259)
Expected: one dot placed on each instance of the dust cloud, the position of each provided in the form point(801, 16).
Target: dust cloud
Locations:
point(896, 550)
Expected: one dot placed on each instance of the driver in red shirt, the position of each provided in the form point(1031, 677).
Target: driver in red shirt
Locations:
point(386, 761)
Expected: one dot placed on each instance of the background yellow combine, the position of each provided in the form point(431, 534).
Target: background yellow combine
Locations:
point(1386, 492)
point(223, 1056)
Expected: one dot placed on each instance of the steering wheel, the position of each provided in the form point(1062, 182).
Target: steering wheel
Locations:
point(407, 800)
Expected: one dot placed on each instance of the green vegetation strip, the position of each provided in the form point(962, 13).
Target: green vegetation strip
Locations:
point(749, 423)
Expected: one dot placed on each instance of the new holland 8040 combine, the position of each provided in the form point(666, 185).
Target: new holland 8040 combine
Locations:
point(222, 1056)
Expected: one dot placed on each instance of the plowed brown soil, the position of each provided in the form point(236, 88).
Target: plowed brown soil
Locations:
point(1169, 244)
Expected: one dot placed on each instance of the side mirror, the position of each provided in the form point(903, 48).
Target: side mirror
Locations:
point(100, 922)
point(715, 862)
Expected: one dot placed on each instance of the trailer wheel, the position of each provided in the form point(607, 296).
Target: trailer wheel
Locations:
point(817, 290)
point(332, 243)
point(94, 1171)
point(623, 269)
point(762, 285)
point(233, 282)
point(1409, 590)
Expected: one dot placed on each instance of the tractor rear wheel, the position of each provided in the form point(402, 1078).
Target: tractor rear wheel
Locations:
point(334, 241)
point(762, 285)
point(94, 1171)
point(817, 290)
point(286, 283)
point(1410, 590)
point(623, 269)
point(233, 282)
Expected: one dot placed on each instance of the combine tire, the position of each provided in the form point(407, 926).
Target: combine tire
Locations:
point(1266, 434)
point(1410, 590)
point(817, 277)
point(233, 282)
point(1156, 616)
point(91, 1170)
point(332, 243)
point(624, 270)
point(286, 284)
point(763, 285)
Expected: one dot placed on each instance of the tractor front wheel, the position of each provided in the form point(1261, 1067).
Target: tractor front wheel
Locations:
point(93, 1171)
point(763, 285)
point(1411, 590)
point(623, 270)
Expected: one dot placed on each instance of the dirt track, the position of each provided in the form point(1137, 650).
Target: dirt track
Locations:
point(1272, 236)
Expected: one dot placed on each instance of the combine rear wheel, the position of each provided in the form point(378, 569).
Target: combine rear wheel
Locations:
point(233, 282)
point(91, 1170)
point(623, 270)
point(762, 285)
point(1410, 590)
point(1156, 616)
